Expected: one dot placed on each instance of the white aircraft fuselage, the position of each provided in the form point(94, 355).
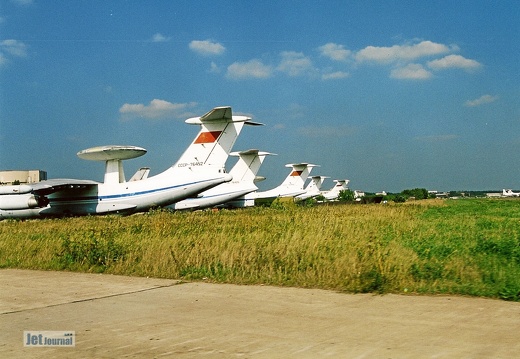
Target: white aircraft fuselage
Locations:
point(200, 168)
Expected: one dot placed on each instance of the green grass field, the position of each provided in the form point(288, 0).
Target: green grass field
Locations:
point(464, 247)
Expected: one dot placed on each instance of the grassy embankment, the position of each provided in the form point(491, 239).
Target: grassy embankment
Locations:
point(469, 247)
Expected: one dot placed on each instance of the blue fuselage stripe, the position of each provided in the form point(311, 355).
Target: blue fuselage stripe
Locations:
point(123, 195)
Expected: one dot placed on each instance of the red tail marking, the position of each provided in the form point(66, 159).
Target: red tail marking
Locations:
point(208, 137)
point(296, 173)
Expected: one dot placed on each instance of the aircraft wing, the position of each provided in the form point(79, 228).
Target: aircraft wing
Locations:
point(55, 185)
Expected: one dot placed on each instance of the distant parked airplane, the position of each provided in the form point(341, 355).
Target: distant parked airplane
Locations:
point(244, 175)
point(292, 185)
point(510, 193)
point(200, 167)
point(313, 188)
point(333, 193)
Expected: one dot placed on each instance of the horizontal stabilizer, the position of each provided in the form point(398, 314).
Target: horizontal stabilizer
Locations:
point(221, 114)
point(217, 114)
point(303, 164)
point(251, 152)
point(252, 123)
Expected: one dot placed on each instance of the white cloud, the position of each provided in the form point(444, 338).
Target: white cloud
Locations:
point(481, 101)
point(453, 61)
point(294, 63)
point(160, 38)
point(400, 52)
point(335, 52)
point(3, 60)
point(14, 47)
point(156, 109)
point(207, 47)
point(215, 69)
point(335, 75)
point(411, 72)
point(247, 70)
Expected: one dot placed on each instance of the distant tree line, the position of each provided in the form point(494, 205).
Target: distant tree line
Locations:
point(407, 194)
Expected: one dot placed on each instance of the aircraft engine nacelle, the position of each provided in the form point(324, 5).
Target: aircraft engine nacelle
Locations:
point(22, 201)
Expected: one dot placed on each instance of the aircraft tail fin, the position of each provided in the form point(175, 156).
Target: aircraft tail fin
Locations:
point(510, 193)
point(292, 185)
point(313, 188)
point(338, 187)
point(248, 164)
point(315, 183)
point(218, 133)
point(298, 175)
point(141, 174)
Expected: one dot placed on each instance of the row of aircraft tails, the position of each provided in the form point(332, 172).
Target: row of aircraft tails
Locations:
point(197, 180)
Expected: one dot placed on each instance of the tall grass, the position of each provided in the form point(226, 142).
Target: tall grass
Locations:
point(468, 247)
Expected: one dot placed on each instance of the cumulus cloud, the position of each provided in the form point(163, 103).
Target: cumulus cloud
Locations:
point(253, 69)
point(410, 72)
point(294, 63)
point(335, 75)
point(335, 52)
point(481, 101)
point(400, 52)
point(207, 47)
point(10, 49)
point(417, 60)
point(454, 61)
point(160, 38)
point(156, 109)
point(14, 47)
point(214, 68)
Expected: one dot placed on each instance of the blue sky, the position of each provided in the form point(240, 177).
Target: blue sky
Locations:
point(389, 94)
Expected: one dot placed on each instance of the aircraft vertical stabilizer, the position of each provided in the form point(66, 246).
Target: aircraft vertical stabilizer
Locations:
point(218, 133)
point(248, 164)
point(243, 173)
point(333, 193)
point(313, 188)
point(292, 185)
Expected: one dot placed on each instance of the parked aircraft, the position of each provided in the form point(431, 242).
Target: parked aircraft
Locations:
point(292, 185)
point(313, 188)
point(244, 176)
point(333, 193)
point(199, 168)
point(510, 193)
point(358, 195)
